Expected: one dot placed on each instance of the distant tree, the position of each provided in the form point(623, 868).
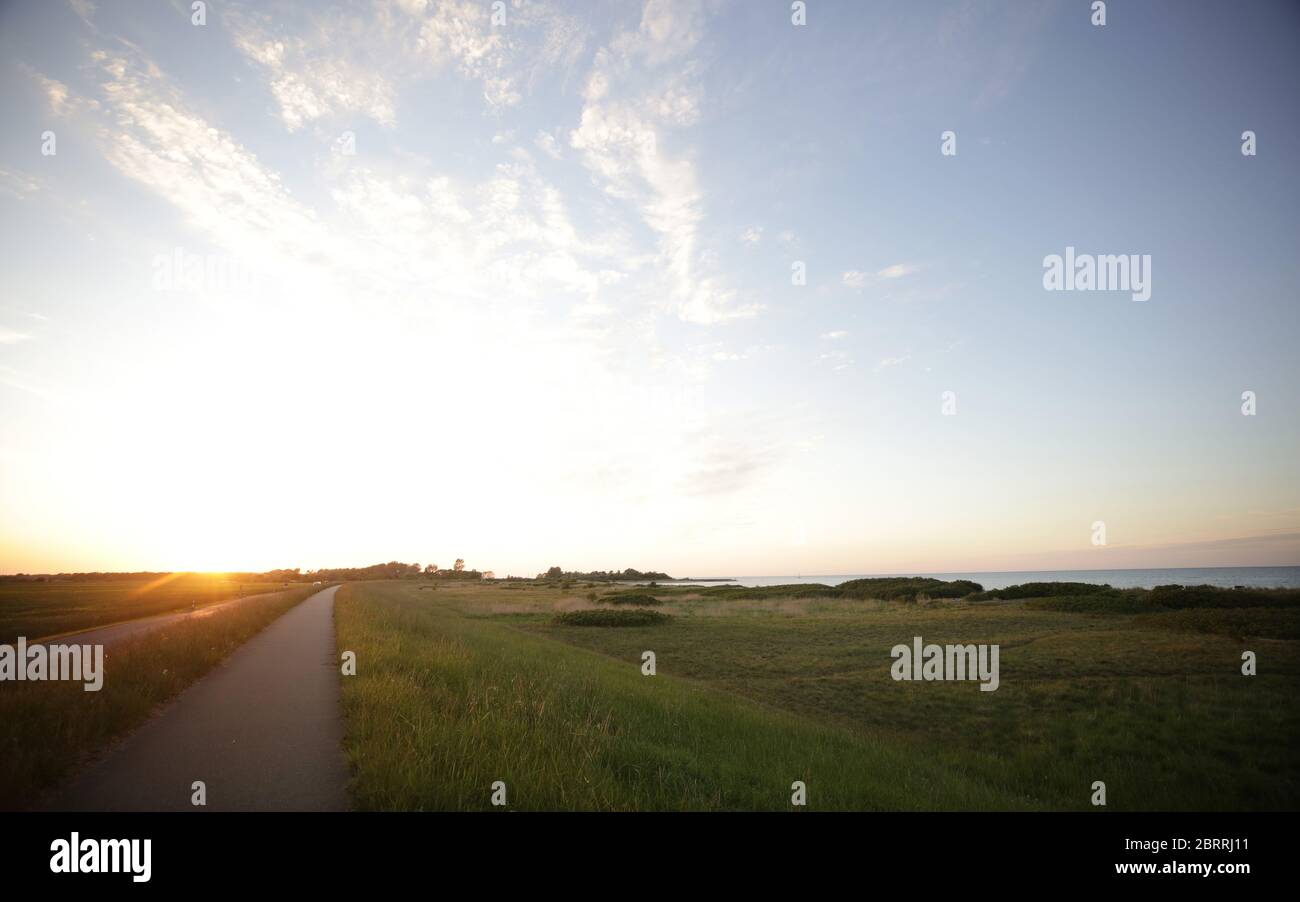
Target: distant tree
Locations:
point(459, 565)
point(554, 573)
point(431, 569)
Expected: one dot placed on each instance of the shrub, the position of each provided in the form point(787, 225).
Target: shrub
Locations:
point(606, 617)
point(957, 588)
point(635, 598)
point(1179, 597)
point(907, 588)
point(1105, 600)
point(1044, 590)
point(792, 590)
point(1096, 603)
point(888, 588)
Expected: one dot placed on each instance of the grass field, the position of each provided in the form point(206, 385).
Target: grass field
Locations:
point(50, 727)
point(39, 609)
point(472, 684)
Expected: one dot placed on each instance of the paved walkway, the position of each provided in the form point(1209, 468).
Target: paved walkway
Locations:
point(263, 731)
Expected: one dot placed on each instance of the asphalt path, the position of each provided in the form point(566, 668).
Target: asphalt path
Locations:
point(263, 731)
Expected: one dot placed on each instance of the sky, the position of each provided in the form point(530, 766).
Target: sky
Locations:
point(682, 286)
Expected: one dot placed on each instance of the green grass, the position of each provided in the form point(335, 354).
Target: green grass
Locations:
point(485, 682)
point(51, 727)
point(445, 703)
point(39, 609)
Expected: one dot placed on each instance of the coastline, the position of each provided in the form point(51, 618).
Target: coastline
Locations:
point(1143, 578)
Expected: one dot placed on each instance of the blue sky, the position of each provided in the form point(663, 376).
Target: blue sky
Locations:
point(544, 312)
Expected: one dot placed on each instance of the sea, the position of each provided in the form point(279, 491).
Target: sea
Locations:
point(1227, 577)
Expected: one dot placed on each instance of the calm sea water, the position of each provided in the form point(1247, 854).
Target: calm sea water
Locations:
point(1261, 577)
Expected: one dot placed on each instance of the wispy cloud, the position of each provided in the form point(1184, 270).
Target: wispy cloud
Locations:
point(547, 144)
point(354, 63)
point(640, 86)
point(84, 9)
point(17, 185)
point(838, 360)
point(725, 469)
point(24, 382)
point(898, 270)
point(387, 231)
point(150, 134)
point(308, 86)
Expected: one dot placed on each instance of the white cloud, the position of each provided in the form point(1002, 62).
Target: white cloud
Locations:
point(746, 354)
point(218, 186)
point(352, 62)
point(57, 96)
point(837, 334)
point(854, 279)
point(535, 39)
point(839, 360)
point(887, 362)
point(26, 382)
point(898, 270)
point(309, 85)
point(509, 237)
point(56, 93)
point(10, 337)
point(17, 185)
point(752, 235)
point(461, 30)
point(678, 105)
point(630, 102)
point(546, 143)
